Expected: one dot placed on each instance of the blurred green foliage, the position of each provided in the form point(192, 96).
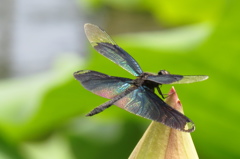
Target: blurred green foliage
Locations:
point(43, 116)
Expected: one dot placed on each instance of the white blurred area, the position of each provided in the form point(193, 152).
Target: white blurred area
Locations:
point(33, 33)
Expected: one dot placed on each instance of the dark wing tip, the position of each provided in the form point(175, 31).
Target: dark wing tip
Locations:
point(203, 77)
point(181, 123)
point(95, 34)
point(78, 73)
point(191, 79)
point(88, 26)
point(189, 127)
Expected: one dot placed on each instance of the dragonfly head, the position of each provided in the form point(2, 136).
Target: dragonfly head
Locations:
point(163, 72)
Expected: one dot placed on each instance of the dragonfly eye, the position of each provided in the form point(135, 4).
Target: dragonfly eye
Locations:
point(163, 72)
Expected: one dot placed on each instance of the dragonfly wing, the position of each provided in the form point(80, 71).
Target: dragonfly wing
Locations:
point(145, 103)
point(175, 79)
point(102, 84)
point(103, 43)
point(164, 79)
point(191, 79)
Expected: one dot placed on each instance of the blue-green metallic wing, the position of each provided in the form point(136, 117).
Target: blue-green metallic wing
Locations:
point(103, 43)
point(176, 79)
point(102, 84)
point(145, 103)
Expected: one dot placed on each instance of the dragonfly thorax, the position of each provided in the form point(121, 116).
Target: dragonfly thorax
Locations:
point(142, 80)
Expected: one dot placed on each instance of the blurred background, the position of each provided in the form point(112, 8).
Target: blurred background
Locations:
point(42, 107)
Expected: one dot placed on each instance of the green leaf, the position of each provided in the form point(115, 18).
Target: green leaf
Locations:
point(23, 108)
point(55, 147)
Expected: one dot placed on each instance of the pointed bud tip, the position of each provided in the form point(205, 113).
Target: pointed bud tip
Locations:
point(173, 100)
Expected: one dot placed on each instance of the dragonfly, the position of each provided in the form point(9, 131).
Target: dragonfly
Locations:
point(136, 96)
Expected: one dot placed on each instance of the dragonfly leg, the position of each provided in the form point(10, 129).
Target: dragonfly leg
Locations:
point(162, 95)
point(160, 92)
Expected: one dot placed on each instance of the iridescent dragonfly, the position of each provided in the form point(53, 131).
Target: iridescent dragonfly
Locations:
point(134, 95)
